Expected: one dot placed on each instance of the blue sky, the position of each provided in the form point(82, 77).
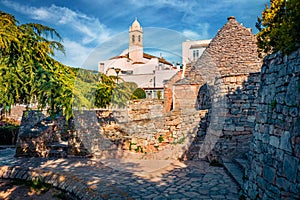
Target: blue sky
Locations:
point(93, 30)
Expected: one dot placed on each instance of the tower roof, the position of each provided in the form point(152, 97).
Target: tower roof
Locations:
point(135, 26)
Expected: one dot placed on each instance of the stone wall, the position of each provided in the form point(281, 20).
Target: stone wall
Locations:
point(168, 91)
point(233, 114)
point(274, 167)
point(143, 130)
point(185, 96)
point(37, 133)
point(148, 132)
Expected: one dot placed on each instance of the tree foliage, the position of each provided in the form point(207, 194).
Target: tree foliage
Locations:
point(28, 72)
point(113, 94)
point(30, 75)
point(279, 27)
point(85, 87)
point(139, 93)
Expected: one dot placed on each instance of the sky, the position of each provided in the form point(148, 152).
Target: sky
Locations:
point(95, 30)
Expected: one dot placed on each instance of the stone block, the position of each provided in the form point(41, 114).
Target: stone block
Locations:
point(239, 128)
point(269, 174)
point(291, 95)
point(293, 111)
point(274, 141)
point(279, 154)
point(229, 128)
point(285, 141)
point(258, 170)
point(261, 182)
point(251, 118)
point(265, 138)
point(282, 183)
point(290, 164)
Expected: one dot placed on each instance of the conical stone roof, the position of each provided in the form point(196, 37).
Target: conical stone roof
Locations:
point(232, 51)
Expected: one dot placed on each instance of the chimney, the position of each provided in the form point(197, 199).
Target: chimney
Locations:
point(230, 18)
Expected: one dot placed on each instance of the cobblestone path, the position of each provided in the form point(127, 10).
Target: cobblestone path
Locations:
point(90, 179)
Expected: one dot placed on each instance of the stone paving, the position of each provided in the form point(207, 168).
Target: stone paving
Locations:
point(119, 179)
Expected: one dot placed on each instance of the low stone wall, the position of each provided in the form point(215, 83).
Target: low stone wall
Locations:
point(142, 130)
point(274, 156)
point(151, 133)
point(43, 136)
point(74, 185)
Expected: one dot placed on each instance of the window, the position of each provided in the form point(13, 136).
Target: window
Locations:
point(129, 72)
point(133, 38)
point(195, 54)
point(139, 38)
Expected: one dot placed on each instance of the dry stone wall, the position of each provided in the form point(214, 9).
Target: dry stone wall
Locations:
point(142, 130)
point(233, 114)
point(274, 158)
point(149, 132)
point(44, 136)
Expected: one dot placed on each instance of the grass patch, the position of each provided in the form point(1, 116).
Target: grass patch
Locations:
point(160, 139)
point(38, 184)
point(273, 104)
point(180, 141)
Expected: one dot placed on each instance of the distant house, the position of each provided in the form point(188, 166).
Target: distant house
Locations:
point(134, 65)
point(191, 51)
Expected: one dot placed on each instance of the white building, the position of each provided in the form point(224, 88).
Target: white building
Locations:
point(133, 65)
point(192, 50)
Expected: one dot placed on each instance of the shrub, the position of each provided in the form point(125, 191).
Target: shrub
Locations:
point(139, 93)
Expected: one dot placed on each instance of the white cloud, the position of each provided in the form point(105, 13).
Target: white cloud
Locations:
point(89, 28)
point(192, 35)
point(200, 32)
point(75, 55)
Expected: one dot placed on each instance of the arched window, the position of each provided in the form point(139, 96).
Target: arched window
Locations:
point(139, 38)
point(133, 38)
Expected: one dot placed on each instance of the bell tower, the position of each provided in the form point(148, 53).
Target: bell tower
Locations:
point(136, 42)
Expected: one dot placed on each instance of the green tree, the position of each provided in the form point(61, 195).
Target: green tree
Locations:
point(85, 87)
point(103, 95)
point(109, 93)
point(28, 72)
point(279, 27)
point(139, 93)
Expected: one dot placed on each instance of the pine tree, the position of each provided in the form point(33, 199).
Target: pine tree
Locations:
point(28, 72)
point(279, 27)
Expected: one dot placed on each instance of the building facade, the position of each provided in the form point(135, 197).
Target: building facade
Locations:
point(191, 52)
point(134, 65)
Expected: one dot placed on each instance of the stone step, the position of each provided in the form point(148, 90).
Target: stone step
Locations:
point(242, 163)
point(58, 146)
point(57, 153)
point(7, 146)
point(234, 170)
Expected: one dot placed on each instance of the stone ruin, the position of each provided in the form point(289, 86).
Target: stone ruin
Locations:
point(143, 131)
